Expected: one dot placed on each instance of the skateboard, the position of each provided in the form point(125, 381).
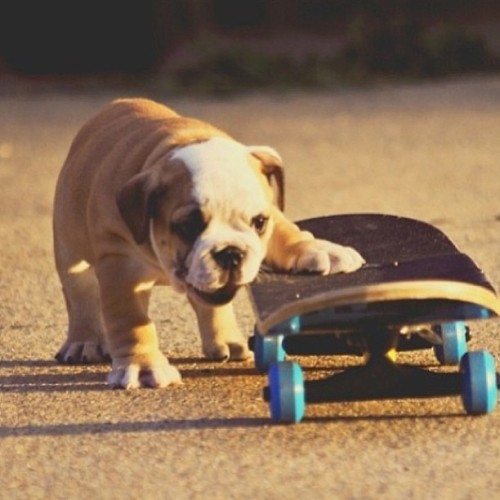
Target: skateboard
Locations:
point(416, 291)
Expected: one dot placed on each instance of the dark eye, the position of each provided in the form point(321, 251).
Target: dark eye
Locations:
point(189, 228)
point(259, 223)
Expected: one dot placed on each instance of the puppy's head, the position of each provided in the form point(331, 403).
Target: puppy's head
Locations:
point(206, 210)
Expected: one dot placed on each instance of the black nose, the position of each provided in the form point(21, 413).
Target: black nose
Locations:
point(228, 258)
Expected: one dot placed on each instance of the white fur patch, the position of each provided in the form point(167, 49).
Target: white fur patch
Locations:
point(223, 177)
point(226, 187)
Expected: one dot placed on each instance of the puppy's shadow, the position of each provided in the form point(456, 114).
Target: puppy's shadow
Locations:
point(26, 363)
point(201, 367)
point(47, 376)
point(35, 376)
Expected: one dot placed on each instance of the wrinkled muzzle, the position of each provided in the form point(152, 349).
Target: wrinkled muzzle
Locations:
point(217, 269)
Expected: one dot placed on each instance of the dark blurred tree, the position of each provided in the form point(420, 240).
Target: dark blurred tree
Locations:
point(240, 15)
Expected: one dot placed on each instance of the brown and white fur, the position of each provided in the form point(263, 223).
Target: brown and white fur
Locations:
point(149, 197)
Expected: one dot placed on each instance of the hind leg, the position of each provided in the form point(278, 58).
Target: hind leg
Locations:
point(85, 338)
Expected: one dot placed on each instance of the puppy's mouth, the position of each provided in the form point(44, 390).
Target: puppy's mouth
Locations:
point(218, 297)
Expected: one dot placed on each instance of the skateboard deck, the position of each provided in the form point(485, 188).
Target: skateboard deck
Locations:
point(414, 274)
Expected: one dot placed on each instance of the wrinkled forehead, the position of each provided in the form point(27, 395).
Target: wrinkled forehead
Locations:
point(222, 175)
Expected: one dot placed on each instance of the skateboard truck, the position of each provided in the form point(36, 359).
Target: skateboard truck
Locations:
point(382, 378)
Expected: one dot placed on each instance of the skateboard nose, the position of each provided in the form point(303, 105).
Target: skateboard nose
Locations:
point(229, 258)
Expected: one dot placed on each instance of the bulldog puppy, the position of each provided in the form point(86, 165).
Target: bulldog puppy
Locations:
point(148, 197)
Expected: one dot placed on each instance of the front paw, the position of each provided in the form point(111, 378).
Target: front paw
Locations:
point(224, 351)
point(325, 257)
point(147, 370)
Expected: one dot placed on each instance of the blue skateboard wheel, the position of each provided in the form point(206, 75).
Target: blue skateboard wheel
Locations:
point(286, 391)
point(268, 349)
point(479, 382)
point(454, 346)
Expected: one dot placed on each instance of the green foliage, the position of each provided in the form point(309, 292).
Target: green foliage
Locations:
point(455, 50)
point(376, 46)
point(226, 69)
point(382, 45)
point(397, 45)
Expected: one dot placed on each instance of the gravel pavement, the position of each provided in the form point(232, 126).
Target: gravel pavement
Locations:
point(429, 151)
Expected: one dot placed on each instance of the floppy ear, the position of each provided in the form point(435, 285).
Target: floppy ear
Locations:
point(272, 169)
point(137, 202)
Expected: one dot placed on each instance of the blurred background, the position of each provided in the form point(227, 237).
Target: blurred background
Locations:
point(223, 46)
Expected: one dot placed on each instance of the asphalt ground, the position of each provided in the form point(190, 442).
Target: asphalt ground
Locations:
point(428, 151)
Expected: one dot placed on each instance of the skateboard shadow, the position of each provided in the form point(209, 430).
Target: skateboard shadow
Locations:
point(325, 419)
point(53, 430)
point(179, 425)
